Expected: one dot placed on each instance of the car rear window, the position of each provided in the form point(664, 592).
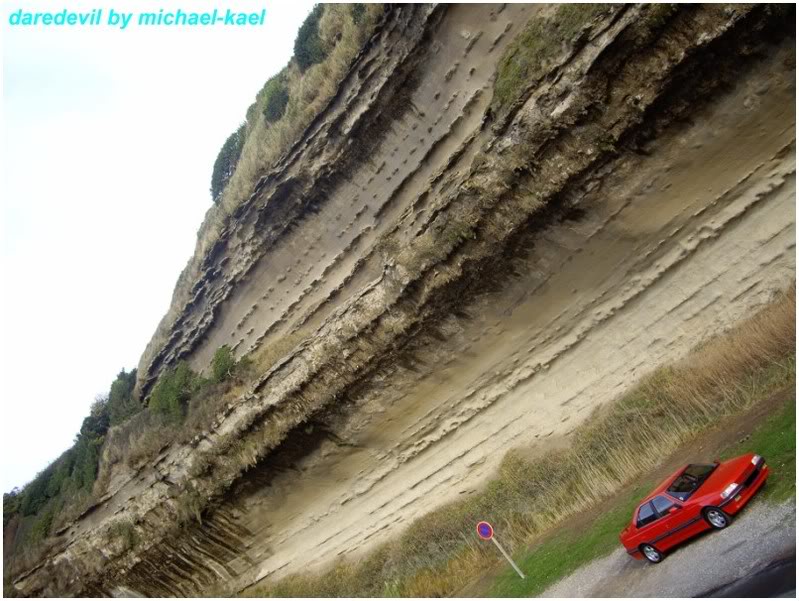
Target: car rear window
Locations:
point(689, 481)
point(646, 515)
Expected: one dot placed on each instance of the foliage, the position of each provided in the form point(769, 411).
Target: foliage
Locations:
point(542, 40)
point(11, 502)
point(125, 532)
point(330, 32)
point(226, 162)
point(173, 391)
point(275, 97)
point(222, 364)
point(358, 12)
point(44, 522)
point(776, 441)
point(121, 403)
point(308, 48)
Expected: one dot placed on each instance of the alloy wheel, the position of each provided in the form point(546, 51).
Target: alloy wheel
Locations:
point(717, 518)
point(651, 553)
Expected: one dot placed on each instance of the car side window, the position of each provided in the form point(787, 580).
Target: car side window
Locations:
point(662, 504)
point(646, 515)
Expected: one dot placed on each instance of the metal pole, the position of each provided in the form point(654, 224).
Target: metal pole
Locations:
point(501, 550)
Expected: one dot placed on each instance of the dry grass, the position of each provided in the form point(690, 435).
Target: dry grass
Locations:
point(541, 42)
point(309, 93)
point(438, 554)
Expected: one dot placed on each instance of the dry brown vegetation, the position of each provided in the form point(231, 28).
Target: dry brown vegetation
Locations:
point(309, 93)
point(438, 554)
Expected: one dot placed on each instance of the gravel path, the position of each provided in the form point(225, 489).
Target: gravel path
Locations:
point(761, 534)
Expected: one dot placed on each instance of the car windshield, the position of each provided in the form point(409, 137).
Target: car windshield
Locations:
point(690, 480)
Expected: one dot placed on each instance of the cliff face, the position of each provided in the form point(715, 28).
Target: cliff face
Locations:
point(424, 283)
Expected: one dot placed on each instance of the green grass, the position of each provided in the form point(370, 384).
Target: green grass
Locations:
point(558, 557)
point(775, 439)
point(542, 40)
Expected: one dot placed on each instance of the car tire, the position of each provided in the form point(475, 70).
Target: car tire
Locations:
point(716, 518)
point(650, 553)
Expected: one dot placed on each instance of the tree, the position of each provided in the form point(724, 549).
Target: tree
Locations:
point(308, 48)
point(121, 404)
point(11, 501)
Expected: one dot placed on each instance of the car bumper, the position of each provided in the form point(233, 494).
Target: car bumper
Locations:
point(736, 502)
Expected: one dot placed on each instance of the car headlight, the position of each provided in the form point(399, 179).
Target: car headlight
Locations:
point(729, 490)
point(756, 459)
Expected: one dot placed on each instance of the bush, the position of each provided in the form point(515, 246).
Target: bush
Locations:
point(172, 391)
point(226, 161)
point(223, 364)
point(308, 48)
point(358, 13)
point(121, 404)
point(275, 97)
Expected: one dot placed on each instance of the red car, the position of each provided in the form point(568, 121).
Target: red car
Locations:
point(695, 498)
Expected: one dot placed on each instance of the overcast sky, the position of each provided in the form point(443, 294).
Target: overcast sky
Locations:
point(108, 138)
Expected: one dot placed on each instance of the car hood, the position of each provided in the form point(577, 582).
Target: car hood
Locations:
point(735, 470)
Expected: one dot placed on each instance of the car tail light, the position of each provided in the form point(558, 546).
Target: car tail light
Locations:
point(729, 490)
point(756, 459)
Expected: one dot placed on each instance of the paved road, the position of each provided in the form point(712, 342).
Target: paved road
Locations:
point(777, 579)
point(755, 555)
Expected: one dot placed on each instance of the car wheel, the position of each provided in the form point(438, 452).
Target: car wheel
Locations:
point(651, 554)
point(716, 518)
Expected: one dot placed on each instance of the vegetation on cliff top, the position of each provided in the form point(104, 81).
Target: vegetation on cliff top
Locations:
point(435, 557)
point(70, 478)
point(118, 429)
point(326, 43)
point(182, 402)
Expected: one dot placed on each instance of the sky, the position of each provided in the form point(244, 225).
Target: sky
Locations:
point(109, 138)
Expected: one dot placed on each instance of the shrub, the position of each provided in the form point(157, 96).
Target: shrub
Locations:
point(308, 48)
point(226, 161)
point(275, 97)
point(172, 392)
point(223, 364)
point(121, 404)
point(41, 527)
point(358, 13)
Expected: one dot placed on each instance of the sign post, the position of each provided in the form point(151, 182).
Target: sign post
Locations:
point(486, 532)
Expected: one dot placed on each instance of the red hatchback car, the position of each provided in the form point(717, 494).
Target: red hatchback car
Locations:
point(693, 499)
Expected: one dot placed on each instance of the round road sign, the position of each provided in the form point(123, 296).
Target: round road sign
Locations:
point(484, 530)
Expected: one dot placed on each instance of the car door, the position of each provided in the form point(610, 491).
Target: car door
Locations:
point(675, 523)
point(646, 523)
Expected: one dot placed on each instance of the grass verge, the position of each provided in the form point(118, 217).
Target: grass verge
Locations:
point(549, 562)
point(438, 554)
point(776, 441)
